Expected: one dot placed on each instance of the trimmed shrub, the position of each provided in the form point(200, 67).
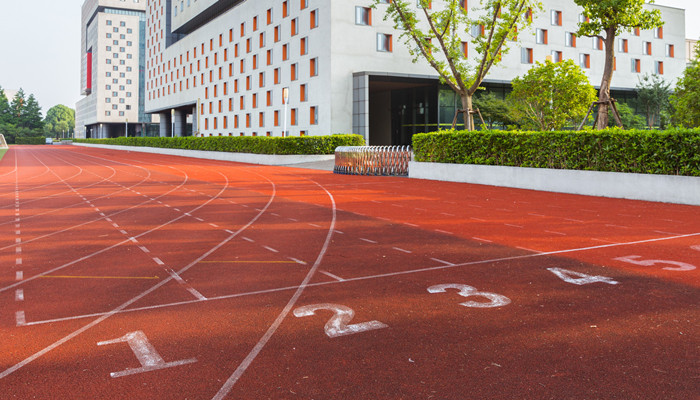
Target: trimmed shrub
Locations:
point(241, 144)
point(30, 140)
point(670, 152)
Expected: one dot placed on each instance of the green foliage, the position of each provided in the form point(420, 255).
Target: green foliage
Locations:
point(5, 114)
point(22, 112)
point(552, 96)
point(671, 152)
point(31, 114)
point(30, 140)
point(686, 100)
point(653, 93)
point(621, 15)
point(629, 119)
point(241, 144)
point(495, 111)
point(59, 119)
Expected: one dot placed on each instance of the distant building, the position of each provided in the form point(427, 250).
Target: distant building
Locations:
point(223, 66)
point(690, 50)
point(113, 64)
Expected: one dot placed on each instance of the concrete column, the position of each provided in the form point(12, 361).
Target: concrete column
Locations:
point(194, 121)
point(165, 124)
point(180, 123)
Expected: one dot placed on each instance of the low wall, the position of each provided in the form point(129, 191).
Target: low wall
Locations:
point(262, 159)
point(661, 188)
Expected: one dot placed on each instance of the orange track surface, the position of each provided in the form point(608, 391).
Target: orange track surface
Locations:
point(135, 276)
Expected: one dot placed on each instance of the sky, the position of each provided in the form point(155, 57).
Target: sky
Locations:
point(40, 47)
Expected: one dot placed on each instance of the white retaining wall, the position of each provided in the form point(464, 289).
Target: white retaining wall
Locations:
point(661, 188)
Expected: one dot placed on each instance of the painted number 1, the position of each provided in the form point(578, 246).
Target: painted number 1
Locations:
point(146, 354)
point(495, 300)
point(338, 324)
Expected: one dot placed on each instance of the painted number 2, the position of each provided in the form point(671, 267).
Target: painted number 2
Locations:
point(338, 324)
point(681, 266)
point(146, 354)
point(495, 300)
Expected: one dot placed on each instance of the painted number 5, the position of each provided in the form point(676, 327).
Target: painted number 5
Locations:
point(648, 263)
point(495, 300)
point(338, 324)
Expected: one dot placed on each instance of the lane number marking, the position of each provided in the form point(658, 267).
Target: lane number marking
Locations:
point(339, 325)
point(146, 354)
point(496, 300)
point(579, 278)
point(681, 266)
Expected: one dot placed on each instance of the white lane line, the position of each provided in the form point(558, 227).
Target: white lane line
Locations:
point(315, 225)
point(18, 250)
point(442, 261)
point(574, 220)
point(144, 249)
point(297, 260)
point(293, 220)
point(228, 231)
point(445, 232)
point(515, 226)
point(133, 240)
point(420, 209)
point(247, 239)
point(474, 205)
point(617, 226)
point(537, 215)
point(339, 232)
point(604, 241)
point(556, 233)
point(411, 225)
point(368, 241)
point(667, 233)
point(199, 219)
point(158, 261)
point(123, 232)
point(18, 240)
point(19, 295)
point(21, 319)
point(186, 285)
point(402, 250)
point(18, 261)
point(176, 209)
point(368, 277)
point(477, 219)
point(526, 249)
point(482, 240)
point(19, 275)
point(339, 279)
point(275, 214)
point(270, 249)
point(447, 214)
point(213, 225)
point(385, 219)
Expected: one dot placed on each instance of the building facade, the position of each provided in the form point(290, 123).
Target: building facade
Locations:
point(112, 69)
point(225, 67)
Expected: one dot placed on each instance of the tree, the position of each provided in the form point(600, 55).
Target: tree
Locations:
point(4, 108)
point(629, 119)
point(605, 19)
point(494, 110)
point(653, 93)
point(686, 100)
point(59, 119)
point(30, 116)
point(437, 36)
point(17, 106)
point(551, 96)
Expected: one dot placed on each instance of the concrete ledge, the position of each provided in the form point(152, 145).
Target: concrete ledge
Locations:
point(262, 159)
point(660, 188)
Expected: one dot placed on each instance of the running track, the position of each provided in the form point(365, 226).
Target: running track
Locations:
point(135, 276)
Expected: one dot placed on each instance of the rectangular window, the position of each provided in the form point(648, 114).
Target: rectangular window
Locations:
point(659, 32)
point(477, 30)
point(314, 19)
point(363, 16)
point(647, 48)
point(622, 46)
point(293, 72)
point(659, 67)
point(557, 56)
point(570, 39)
point(269, 57)
point(285, 52)
point(269, 98)
point(303, 4)
point(269, 16)
point(313, 115)
point(277, 118)
point(384, 43)
point(541, 36)
point(556, 17)
point(277, 34)
point(636, 65)
point(277, 76)
point(303, 50)
point(465, 49)
point(598, 43)
point(670, 51)
point(302, 93)
point(293, 118)
point(285, 9)
point(295, 27)
point(313, 67)
point(584, 61)
point(261, 119)
point(635, 32)
point(526, 56)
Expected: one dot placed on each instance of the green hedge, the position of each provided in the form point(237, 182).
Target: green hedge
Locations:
point(670, 152)
point(30, 140)
point(241, 144)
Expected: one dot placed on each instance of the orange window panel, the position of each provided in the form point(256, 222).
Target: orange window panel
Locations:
point(247, 120)
point(269, 98)
point(293, 118)
point(285, 52)
point(314, 19)
point(312, 115)
point(230, 104)
point(269, 16)
point(313, 67)
point(302, 47)
point(247, 82)
point(255, 100)
point(302, 93)
point(261, 119)
point(255, 24)
point(277, 34)
point(235, 121)
point(277, 76)
point(285, 9)
point(269, 57)
point(277, 118)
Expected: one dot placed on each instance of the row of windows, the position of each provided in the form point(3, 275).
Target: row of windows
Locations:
point(585, 61)
point(251, 120)
point(121, 35)
point(542, 37)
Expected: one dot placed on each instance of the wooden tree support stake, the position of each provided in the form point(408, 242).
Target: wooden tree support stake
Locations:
point(611, 104)
point(470, 112)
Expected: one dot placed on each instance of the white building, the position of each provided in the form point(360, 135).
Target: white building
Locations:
point(225, 64)
point(113, 64)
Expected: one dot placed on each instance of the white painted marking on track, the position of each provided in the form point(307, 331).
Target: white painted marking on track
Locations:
point(19, 295)
point(477, 219)
point(445, 232)
point(18, 250)
point(526, 249)
point(557, 233)
point(574, 220)
point(667, 233)
point(695, 247)
point(199, 219)
point(336, 277)
point(603, 240)
point(18, 261)
point(247, 239)
point(537, 215)
point(442, 261)
point(158, 261)
point(228, 231)
point(411, 225)
point(213, 225)
point(339, 232)
point(447, 214)
point(270, 249)
point(402, 250)
point(617, 226)
point(133, 240)
point(315, 225)
point(21, 318)
point(123, 232)
point(18, 240)
point(19, 275)
point(368, 241)
point(144, 249)
point(293, 220)
point(187, 286)
point(482, 240)
point(515, 226)
point(297, 260)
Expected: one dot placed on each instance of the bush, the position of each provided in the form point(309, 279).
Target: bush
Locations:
point(30, 140)
point(670, 152)
point(241, 144)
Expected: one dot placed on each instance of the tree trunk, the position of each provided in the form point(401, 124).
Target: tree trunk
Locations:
point(604, 94)
point(467, 107)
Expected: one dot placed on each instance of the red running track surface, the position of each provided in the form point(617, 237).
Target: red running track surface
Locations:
point(134, 276)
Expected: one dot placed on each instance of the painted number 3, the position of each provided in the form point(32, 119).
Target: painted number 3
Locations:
point(495, 300)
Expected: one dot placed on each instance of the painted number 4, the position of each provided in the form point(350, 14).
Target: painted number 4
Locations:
point(680, 266)
point(578, 278)
point(146, 354)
